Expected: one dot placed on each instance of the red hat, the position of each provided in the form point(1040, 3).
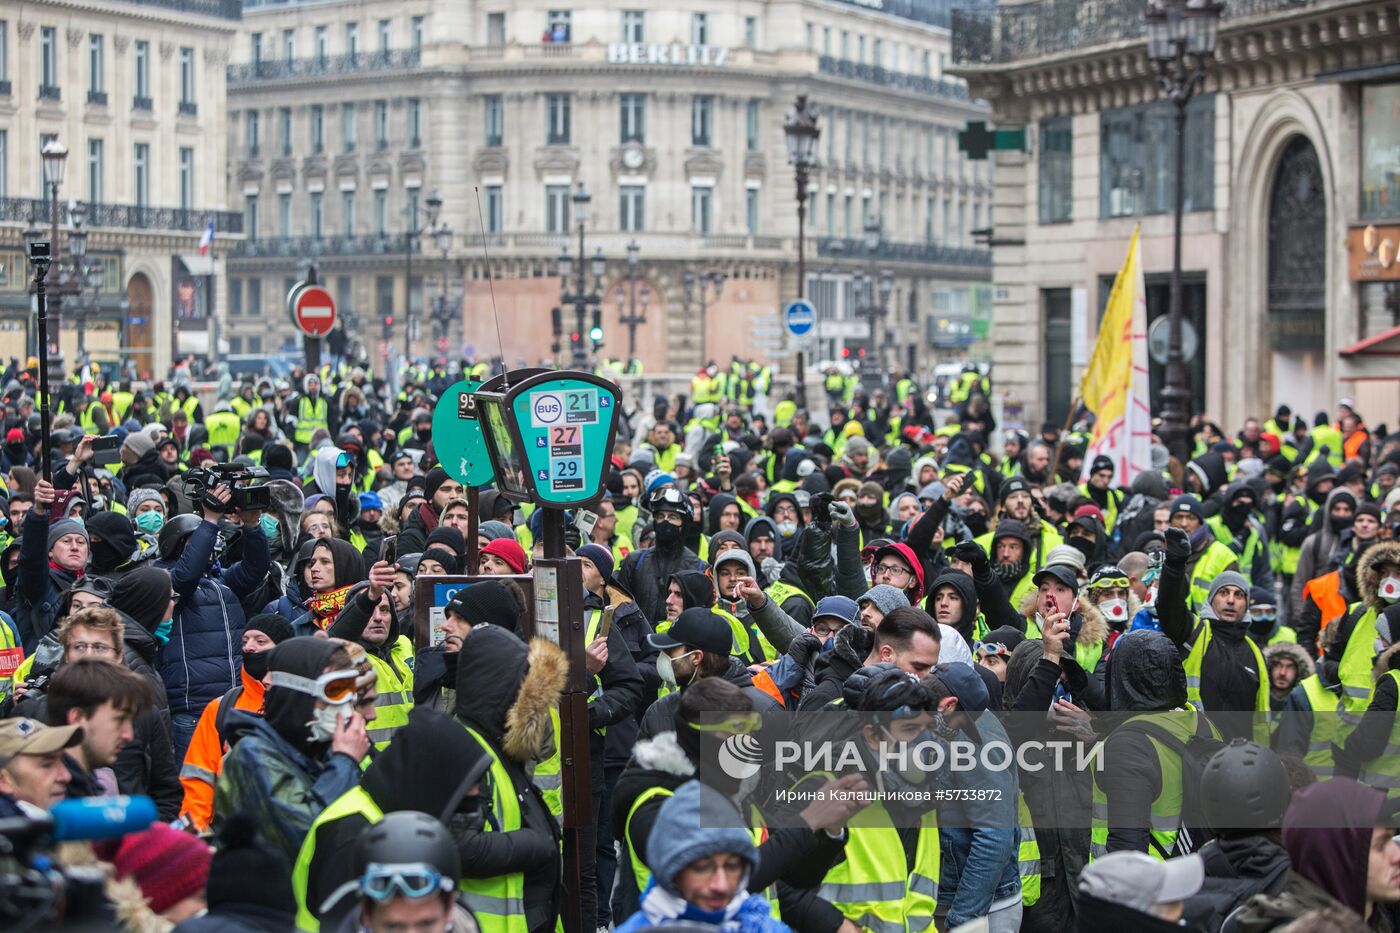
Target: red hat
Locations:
point(167, 865)
point(1093, 511)
point(14, 436)
point(508, 550)
point(905, 553)
point(199, 455)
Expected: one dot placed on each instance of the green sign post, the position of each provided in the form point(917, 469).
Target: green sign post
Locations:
point(549, 434)
point(460, 446)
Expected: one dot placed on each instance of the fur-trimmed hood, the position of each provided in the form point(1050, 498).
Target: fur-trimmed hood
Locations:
point(663, 752)
point(1092, 613)
point(1093, 628)
point(129, 906)
point(1368, 575)
point(1389, 659)
point(505, 689)
point(1287, 649)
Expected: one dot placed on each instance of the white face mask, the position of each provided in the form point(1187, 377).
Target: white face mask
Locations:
point(666, 672)
point(1151, 595)
point(325, 719)
point(1115, 610)
point(787, 529)
point(1389, 589)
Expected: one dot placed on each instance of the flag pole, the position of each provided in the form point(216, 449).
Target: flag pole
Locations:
point(1069, 419)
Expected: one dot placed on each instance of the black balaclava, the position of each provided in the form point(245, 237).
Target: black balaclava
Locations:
point(144, 595)
point(113, 541)
point(670, 539)
point(289, 711)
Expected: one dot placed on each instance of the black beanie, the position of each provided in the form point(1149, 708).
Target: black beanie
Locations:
point(436, 477)
point(271, 624)
point(449, 537)
point(487, 603)
point(243, 872)
point(277, 457)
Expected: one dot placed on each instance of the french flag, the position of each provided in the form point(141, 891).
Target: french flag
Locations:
point(206, 240)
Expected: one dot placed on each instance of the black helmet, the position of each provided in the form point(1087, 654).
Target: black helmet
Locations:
point(407, 837)
point(173, 534)
point(1244, 786)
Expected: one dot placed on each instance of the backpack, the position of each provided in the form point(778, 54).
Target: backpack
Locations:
point(226, 705)
point(1195, 754)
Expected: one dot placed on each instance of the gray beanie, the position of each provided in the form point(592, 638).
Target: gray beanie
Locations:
point(1228, 578)
point(736, 554)
point(139, 496)
point(885, 597)
point(857, 444)
point(493, 531)
point(65, 526)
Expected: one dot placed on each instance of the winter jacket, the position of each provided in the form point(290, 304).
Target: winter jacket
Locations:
point(202, 659)
point(240, 918)
point(645, 574)
point(413, 536)
point(1316, 553)
point(631, 629)
point(661, 715)
point(1237, 868)
point(40, 586)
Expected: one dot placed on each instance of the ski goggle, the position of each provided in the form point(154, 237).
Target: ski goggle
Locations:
point(333, 687)
point(668, 497)
point(992, 647)
point(417, 880)
point(740, 724)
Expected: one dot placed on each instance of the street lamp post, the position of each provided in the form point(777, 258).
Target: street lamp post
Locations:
point(872, 294)
point(434, 206)
point(802, 133)
point(1181, 37)
point(442, 315)
point(632, 319)
point(582, 298)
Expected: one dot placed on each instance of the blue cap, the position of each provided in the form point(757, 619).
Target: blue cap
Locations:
point(371, 500)
point(837, 607)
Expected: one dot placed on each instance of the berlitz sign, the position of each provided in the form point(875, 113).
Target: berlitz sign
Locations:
point(658, 53)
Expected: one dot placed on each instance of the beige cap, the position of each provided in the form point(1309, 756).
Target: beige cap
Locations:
point(24, 736)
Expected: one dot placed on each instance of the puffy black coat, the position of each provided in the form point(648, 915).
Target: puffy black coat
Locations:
point(203, 657)
point(40, 587)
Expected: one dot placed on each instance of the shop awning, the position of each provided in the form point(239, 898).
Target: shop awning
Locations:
point(1386, 343)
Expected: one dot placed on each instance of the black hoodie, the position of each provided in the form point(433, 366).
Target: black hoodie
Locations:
point(965, 588)
point(716, 508)
point(645, 575)
point(430, 770)
point(113, 543)
point(288, 711)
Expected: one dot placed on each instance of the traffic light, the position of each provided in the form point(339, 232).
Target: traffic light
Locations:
point(388, 326)
point(595, 333)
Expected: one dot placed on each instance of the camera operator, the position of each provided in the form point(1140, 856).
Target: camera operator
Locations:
point(200, 662)
point(33, 776)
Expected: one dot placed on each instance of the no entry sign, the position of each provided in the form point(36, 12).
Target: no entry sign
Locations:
point(313, 310)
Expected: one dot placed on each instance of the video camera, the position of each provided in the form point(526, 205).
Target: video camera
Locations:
point(248, 485)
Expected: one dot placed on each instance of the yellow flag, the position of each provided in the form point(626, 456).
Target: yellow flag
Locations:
point(1115, 384)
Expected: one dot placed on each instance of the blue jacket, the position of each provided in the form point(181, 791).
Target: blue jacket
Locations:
point(979, 837)
point(203, 657)
point(40, 587)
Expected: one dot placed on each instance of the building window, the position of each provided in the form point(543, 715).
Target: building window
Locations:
point(751, 126)
point(557, 119)
point(342, 293)
point(1135, 160)
point(48, 61)
point(186, 178)
point(4, 50)
point(384, 294)
point(494, 209)
point(826, 40)
point(556, 208)
point(557, 26)
point(255, 297)
point(879, 52)
point(255, 48)
point(323, 46)
point(850, 136)
point(347, 127)
point(347, 213)
point(141, 63)
point(381, 211)
point(702, 108)
point(751, 210)
point(883, 149)
point(235, 298)
point(235, 344)
point(252, 132)
point(95, 66)
point(495, 29)
point(318, 214)
point(928, 221)
point(410, 207)
point(95, 172)
point(1380, 148)
point(928, 64)
point(634, 112)
point(284, 214)
point(495, 119)
point(847, 210)
point(415, 123)
point(860, 47)
point(318, 128)
point(141, 162)
point(381, 125)
point(255, 344)
point(751, 32)
point(187, 80)
point(385, 36)
point(701, 208)
point(284, 130)
point(865, 139)
point(699, 29)
point(250, 227)
point(352, 39)
point(289, 45)
point(845, 45)
point(415, 33)
point(632, 200)
point(831, 213)
point(1056, 169)
point(634, 26)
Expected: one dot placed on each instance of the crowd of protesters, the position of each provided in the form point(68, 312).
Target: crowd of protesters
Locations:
point(325, 753)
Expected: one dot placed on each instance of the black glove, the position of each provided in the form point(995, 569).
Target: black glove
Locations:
point(573, 540)
point(854, 642)
point(804, 649)
point(970, 552)
point(821, 509)
point(1178, 544)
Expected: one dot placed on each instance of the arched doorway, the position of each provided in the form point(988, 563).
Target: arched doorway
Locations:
point(1297, 290)
point(138, 340)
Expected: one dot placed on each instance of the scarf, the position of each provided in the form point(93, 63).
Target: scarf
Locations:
point(326, 606)
point(75, 575)
point(746, 913)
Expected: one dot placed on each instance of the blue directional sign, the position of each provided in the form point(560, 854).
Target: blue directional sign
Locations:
point(800, 317)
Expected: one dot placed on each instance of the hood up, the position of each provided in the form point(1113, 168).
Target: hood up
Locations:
point(1145, 674)
point(505, 689)
point(1368, 573)
point(430, 771)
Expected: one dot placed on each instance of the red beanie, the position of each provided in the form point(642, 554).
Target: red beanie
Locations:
point(508, 550)
point(167, 865)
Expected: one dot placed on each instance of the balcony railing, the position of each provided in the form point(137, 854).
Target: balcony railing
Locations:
point(329, 65)
point(50, 92)
point(141, 103)
point(97, 98)
point(127, 216)
point(299, 246)
point(1047, 27)
point(838, 248)
point(874, 74)
point(189, 108)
